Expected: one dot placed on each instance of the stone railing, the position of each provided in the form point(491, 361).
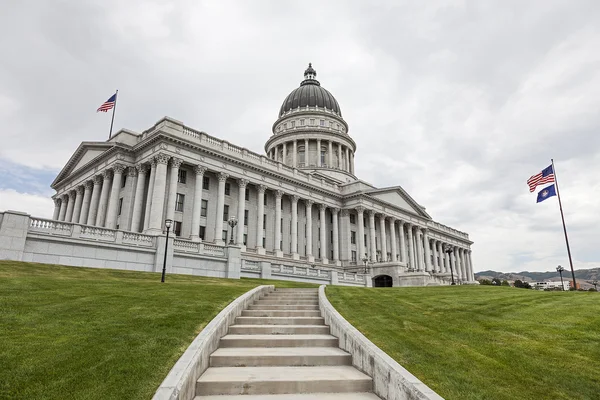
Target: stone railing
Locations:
point(346, 277)
point(290, 270)
point(96, 233)
point(187, 246)
point(50, 227)
point(138, 239)
point(249, 265)
point(214, 250)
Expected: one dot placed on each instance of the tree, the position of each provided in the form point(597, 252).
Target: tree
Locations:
point(520, 284)
point(485, 282)
point(496, 281)
point(505, 283)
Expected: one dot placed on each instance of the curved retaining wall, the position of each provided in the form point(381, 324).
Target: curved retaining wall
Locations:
point(180, 383)
point(390, 380)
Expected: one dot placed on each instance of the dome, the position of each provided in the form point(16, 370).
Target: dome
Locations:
point(310, 93)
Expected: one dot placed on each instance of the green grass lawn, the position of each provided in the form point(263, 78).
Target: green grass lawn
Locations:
point(484, 342)
point(78, 333)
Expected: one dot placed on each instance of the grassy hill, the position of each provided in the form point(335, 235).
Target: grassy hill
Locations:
point(492, 343)
point(77, 333)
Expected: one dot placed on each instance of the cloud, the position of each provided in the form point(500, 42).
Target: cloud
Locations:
point(463, 101)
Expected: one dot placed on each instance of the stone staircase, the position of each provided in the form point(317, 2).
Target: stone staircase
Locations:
point(279, 349)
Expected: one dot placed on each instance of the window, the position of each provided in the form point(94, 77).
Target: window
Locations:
point(177, 228)
point(247, 194)
point(120, 205)
point(322, 122)
point(246, 217)
point(353, 255)
point(224, 235)
point(225, 212)
point(227, 189)
point(123, 180)
point(265, 200)
point(179, 202)
point(264, 220)
point(323, 154)
point(352, 219)
point(293, 124)
point(312, 121)
point(353, 237)
point(245, 239)
point(202, 232)
point(203, 208)
point(301, 122)
point(182, 176)
point(206, 183)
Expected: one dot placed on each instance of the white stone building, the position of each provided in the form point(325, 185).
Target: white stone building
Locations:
point(299, 204)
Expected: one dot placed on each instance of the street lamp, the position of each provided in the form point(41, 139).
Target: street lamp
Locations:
point(560, 270)
point(168, 224)
point(448, 249)
point(232, 223)
point(365, 260)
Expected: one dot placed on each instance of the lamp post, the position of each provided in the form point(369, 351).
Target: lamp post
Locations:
point(448, 249)
point(595, 283)
point(365, 260)
point(168, 223)
point(232, 223)
point(560, 270)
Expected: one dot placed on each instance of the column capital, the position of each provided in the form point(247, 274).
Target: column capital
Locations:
point(118, 168)
point(391, 219)
point(199, 169)
point(142, 168)
point(80, 189)
point(360, 209)
point(223, 176)
point(371, 213)
point(345, 212)
point(334, 210)
point(279, 194)
point(98, 179)
point(242, 183)
point(161, 158)
point(107, 174)
point(309, 202)
point(132, 172)
point(57, 201)
point(261, 189)
point(295, 198)
point(89, 184)
point(176, 162)
point(322, 207)
point(72, 194)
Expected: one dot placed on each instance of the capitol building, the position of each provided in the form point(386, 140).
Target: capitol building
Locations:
point(298, 206)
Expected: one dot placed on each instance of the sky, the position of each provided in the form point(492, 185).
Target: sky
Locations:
point(458, 102)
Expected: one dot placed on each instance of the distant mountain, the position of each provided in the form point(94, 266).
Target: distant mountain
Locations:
point(580, 274)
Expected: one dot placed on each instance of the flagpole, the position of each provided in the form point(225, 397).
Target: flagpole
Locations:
point(113, 115)
point(562, 216)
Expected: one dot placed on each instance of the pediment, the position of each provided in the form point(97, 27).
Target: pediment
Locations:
point(85, 153)
point(397, 197)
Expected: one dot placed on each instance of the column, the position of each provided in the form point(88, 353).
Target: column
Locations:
point(158, 194)
point(309, 254)
point(93, 213)
point(294, 248)
point(411, 248)
point(323, 238)
point(78, 202)
point(138, 200)
point(471, 266)
point(427, 250)
point(63, 207)
point(220, 208)
point(447, 259)
point(434, 254)
point(103, 202)
point(383, 238)
point(197, 203)
point(347, 169)
point(70, 206)
point(295, 155)
point(420, 250)
point(330, 155)
point(361, 234)
point(345, 245)
point(261, 211)
point(85, 205)
point(277, 244)
point(372, 235)
point(319, 153)
point(403, 257)
point(463, 264)
point(242, 184)
point(352, 163)
point(394, 249)
point(284, 153)
point(340, 166)
point(150, 193)
point(456, 263)
point(306, 158)
point(173, 178)
point(113, 203)
point(56, 212)
point(336, 241)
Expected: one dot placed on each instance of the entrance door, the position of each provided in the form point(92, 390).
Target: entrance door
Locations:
point(382, 281)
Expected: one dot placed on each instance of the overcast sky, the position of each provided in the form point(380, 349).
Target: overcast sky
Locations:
point(458, 102)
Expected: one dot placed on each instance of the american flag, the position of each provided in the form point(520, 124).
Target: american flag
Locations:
point(546, 176)
point(108, 104)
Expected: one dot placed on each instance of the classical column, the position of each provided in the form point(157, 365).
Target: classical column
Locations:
point(345, 245)
point(70, 206)
point(447, 260)
point(94, 203)
point(372, 236)
point(85, 205)
point(352, 163)
point(277, 244)
point(294, 249)
point(347, 169)
point(403, 257)
point(394, 249)
point(173, 178)
point(103, 201)
point(323, 239)
point(411, 248)
point(309, 241)
point(464, 264)
point(56, 208)
point(158, 194)
point(113, 203)
point(148, 210)
point(63, 207)
point(361, 234)
point(427, 250)
point(306, 158)
point(319, 153)
point(330, 155)
point(285, 153)
point(340, 166)
point(78, 202)
point(456, 263)
point(220, 208)
point(443, 267)
point(295, 155)
point(242, 183)
point(420, 249)
point(471, 266)
point(336, 242)
point(434, 263)
point(383, 238)
point(197, 203)
point(261, 211)
point(129, 198)
point(138, 198)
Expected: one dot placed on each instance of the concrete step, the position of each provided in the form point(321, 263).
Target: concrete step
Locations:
point(288, 294)
point(279, 329)
point(283, 307)
point(233, 340)
point(284, 313)
point(306, 396)
point(281, 380)
point(280, 321)
point(281, 356)
point(294, 290)
point(289, 302)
